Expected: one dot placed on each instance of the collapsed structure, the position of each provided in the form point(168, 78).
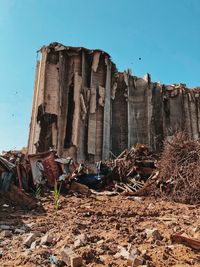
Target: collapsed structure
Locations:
point(84, 108)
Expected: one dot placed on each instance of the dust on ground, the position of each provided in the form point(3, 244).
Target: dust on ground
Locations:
point(108, 224)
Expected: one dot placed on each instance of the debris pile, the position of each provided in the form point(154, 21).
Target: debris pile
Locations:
point(16, 179)
point(134, 172)
point(75, 230)
point(179, 169)
point(132, 168)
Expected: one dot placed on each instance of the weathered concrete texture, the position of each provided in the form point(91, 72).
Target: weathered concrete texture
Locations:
point(84, 108)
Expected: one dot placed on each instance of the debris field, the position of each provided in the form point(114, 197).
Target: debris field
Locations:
point(111, 173)
point(129, 211)
point(102, 231)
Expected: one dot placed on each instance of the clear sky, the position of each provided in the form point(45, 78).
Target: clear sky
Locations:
point(165, 34)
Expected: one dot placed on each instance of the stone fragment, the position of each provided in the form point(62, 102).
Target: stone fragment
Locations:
point(196, 229)
point(154, 233)
point(71, 258)
point(29, 225)
point(37, 233)
point(5, 227)
point(5, 205)
point(123, 252)
point(33, 245)
point(19, 231)
point(6, 233)
point(135, 261)
point(29, 240)
point(80, 241)
point(46, 240)
point(134, 252)
point(101, 241)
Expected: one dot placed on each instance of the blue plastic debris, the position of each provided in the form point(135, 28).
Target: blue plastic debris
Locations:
point(54, 261)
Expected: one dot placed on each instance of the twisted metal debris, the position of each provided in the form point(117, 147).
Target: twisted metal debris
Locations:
point(132, 168)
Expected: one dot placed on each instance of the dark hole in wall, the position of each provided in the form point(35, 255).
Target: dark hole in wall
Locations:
point(46, 120)
point(70, 113)
point(88, 66)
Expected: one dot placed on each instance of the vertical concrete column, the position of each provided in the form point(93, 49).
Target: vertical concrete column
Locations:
point(107, 112)
point(38, 99)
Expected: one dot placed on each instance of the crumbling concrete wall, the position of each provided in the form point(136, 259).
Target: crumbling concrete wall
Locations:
point(71, 103)
point(84, 108)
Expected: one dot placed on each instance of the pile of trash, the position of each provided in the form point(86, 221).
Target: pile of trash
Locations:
point(179, 169)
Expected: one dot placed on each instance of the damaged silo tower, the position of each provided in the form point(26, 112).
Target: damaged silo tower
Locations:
point(83, 107)
point(71, 105)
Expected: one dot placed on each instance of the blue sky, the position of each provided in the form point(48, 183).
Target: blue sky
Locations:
point(165, 34)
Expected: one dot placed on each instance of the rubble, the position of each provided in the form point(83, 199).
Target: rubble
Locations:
point(6, 233)
point(5, 227)
point(135, 172)
point(92, 221)
point(80, 240)
point(71, 258)
point(46, 239)
point(132, 168)
point(29, 240)
point(33, 245)
point(97, 185)
point(179, 169)
point(136, 261)
point(154, 233)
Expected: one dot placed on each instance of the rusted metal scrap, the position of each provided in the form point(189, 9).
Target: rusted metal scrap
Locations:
point(182, 239)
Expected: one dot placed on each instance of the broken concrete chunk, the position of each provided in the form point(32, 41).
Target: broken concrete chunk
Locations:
point(5, 206)
point(5, 227)
point(154, 233)
point(33, 245)
point(134, 252)
point(71, 258)
point(29, 240)
point(123, 252)
point(46, 240)
point(19, 231)
point(135, 261)
point(29, 225)
point(6, 233)
point(80, 241)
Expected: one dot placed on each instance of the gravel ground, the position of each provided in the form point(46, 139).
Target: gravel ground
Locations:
point(102, 230)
